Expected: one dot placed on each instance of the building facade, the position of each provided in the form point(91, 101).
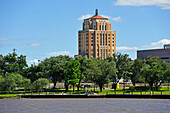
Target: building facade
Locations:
point(96, 39)
point(163, 54)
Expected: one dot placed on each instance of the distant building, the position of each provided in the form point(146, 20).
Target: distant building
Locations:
point(164, 54)
point(96, 39)
point(167, 46)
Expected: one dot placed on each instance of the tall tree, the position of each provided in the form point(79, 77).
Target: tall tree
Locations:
point(55, 68)
point(123, 64)
point(153, 71)
point(167, 76)
point(83, 68)
point(34, 72)
point(12, 63)
point(99, 71)
point(72, 73)
point(135, 70)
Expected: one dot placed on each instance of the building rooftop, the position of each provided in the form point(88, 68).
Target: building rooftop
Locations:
point(96, 16)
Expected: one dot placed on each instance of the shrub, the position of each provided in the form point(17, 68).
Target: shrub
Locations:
point(143, 88)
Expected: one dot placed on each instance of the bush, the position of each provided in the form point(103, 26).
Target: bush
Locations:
point(143, 88)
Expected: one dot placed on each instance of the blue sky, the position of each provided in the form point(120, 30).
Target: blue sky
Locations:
point(44, 28)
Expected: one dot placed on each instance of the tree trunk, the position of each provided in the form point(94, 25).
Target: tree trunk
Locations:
point(100, 88)
point(94, 88)
point(78, 85)
point(66, 86)
point(73, 87)
point(54, 84)
point(151, 86)
point(168, 85)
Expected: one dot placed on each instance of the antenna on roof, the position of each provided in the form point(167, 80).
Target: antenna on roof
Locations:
point(96, 12)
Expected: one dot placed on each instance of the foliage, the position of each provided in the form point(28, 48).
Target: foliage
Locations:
point(143, 88)
point(12, 63)
point(55, 67)
point(99, 71)
point(34, 72)
point(73, 72)
point(123, 64)
point(26, 83)
point(83, 68)
point(40, 83)
point(153, 71)
point(135, 70)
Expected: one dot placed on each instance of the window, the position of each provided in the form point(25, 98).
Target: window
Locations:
point(105, 27)
point(100, 50)
point(100, 27)
point(100, 39)
point(103, 39)
point(106, 38)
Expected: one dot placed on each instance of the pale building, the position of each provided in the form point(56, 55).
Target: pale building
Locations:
point(96, 39)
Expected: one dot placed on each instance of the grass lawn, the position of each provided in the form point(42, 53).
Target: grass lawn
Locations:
point(3, 94)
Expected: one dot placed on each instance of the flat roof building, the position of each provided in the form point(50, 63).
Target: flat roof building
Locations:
point(96, 39)
point(164, 54)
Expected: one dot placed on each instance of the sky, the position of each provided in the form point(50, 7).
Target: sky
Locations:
point(40, 29)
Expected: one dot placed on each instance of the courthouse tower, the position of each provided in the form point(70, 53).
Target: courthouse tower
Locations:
point(96, 39)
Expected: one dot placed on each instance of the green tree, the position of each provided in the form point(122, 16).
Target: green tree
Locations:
point(72, 73)
point(167, 76)
point(40, 83)
point(26, 83)
point(2, 81)
point(153, 71)
point(12, 63)
point(9, 82)
point(83, 68)
point(100, 71)
point(34, 72)
point(113, 77)
point(55, 68)
point(135, 70)
point(123, 64)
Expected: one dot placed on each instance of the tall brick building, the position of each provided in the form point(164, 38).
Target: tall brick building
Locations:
point(96, 39)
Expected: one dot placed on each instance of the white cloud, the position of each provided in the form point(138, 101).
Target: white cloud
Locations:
point(84, 17)
point(38, 38)
point(164, 4)
point(126, 48)
point(60, 53)
point(116, 19)
point(158, 44)
point(4, 39)
point(34, 61)
point(35, 45)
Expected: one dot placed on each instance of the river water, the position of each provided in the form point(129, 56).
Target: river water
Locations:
point(84, 105)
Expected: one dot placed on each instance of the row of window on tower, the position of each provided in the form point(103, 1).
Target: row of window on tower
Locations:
point(104, 39)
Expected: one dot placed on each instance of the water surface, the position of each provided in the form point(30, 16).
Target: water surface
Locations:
point(84, 105)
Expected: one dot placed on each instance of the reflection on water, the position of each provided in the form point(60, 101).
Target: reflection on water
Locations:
point(84, 105)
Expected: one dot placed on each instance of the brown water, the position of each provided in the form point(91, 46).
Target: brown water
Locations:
point(84, 105)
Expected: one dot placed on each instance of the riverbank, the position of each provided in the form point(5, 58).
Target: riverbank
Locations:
point(98, 96)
